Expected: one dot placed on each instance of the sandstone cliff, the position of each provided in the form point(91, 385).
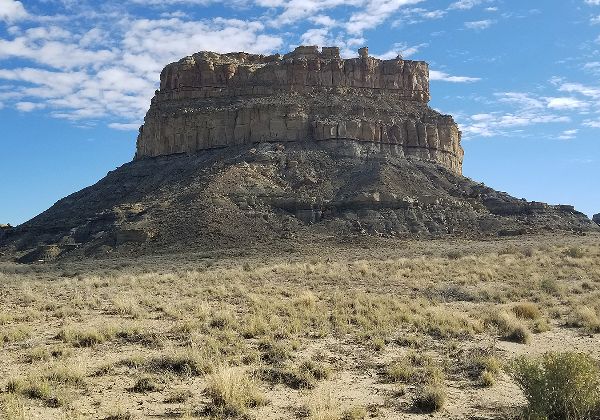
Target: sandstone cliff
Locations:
point(211, 100)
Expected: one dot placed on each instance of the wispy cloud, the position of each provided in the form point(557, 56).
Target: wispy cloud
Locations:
point(566, 103)
point(401, 49)
point(445, 77)
point(527, 110)
point(93, 74)
point(465, 4)
point(124, 127)
point(568, 134)
point(479, 25)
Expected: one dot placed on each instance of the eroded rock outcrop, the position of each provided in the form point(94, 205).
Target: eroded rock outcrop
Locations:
point(596, 218)
point(211, 100)
point(297, 149)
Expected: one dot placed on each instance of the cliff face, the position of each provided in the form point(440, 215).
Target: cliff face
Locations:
point(211, 100)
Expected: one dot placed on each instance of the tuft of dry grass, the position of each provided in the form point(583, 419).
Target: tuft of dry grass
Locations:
point(304, 376)
point(430, 398)
point(575, 252)
point(510, 328)
point(178, 396)
point(85, 336)
point(354, 413)
point(182, 362)
point(12, 407)
point(232, 392)
point(559, 385)
point(400, 371)
point(584, 317)
point(146, 384)
point(15, 334)
point(321, 405)
point(526, 310)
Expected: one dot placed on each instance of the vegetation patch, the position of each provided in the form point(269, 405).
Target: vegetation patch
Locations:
point(232, 392)
point(559, 385)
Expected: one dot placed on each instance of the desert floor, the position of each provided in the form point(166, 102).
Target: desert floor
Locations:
point(369, 329)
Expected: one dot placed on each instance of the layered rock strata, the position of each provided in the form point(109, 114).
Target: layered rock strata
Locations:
point(211, 100)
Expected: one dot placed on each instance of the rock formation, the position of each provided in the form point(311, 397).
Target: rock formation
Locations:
point(596, 218)
point(242, 151)
point(211, 100)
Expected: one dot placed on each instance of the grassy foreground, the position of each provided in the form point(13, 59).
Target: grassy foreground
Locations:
point(337, 334)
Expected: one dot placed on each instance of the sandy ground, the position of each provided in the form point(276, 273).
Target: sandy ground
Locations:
point(416, 298)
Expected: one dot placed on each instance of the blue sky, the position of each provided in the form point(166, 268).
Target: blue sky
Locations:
point(520, 77)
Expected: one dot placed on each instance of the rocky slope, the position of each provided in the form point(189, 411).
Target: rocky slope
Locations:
point(273, 194)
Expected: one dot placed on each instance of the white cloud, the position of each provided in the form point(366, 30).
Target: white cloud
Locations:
point(433, 14)
point(50, 47)
point(581, 89)
point(566, 103)
point(445, 77)
point(522, 100)
point(465, 4)
point(374, 13)
point(315, 36)
point(568, 134)
point(295, 10)
point(592, 123)
point(592, 66)
point(595, 20)
point(479, 24)
point(401, 49)
point(323, 20)
point(529, 110)
point(506, 124)
point(125, 126)
point(28, 106)
point(416, 15)
point(90, 75)
point(11, 10)
point(593, 2)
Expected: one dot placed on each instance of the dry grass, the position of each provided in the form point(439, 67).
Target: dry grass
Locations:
point(430, 398)
point(232, 392)
point(321, 405)
point(584, 317)
point(342, 334)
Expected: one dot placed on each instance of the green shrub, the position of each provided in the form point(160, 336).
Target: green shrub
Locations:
point(559, 386)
